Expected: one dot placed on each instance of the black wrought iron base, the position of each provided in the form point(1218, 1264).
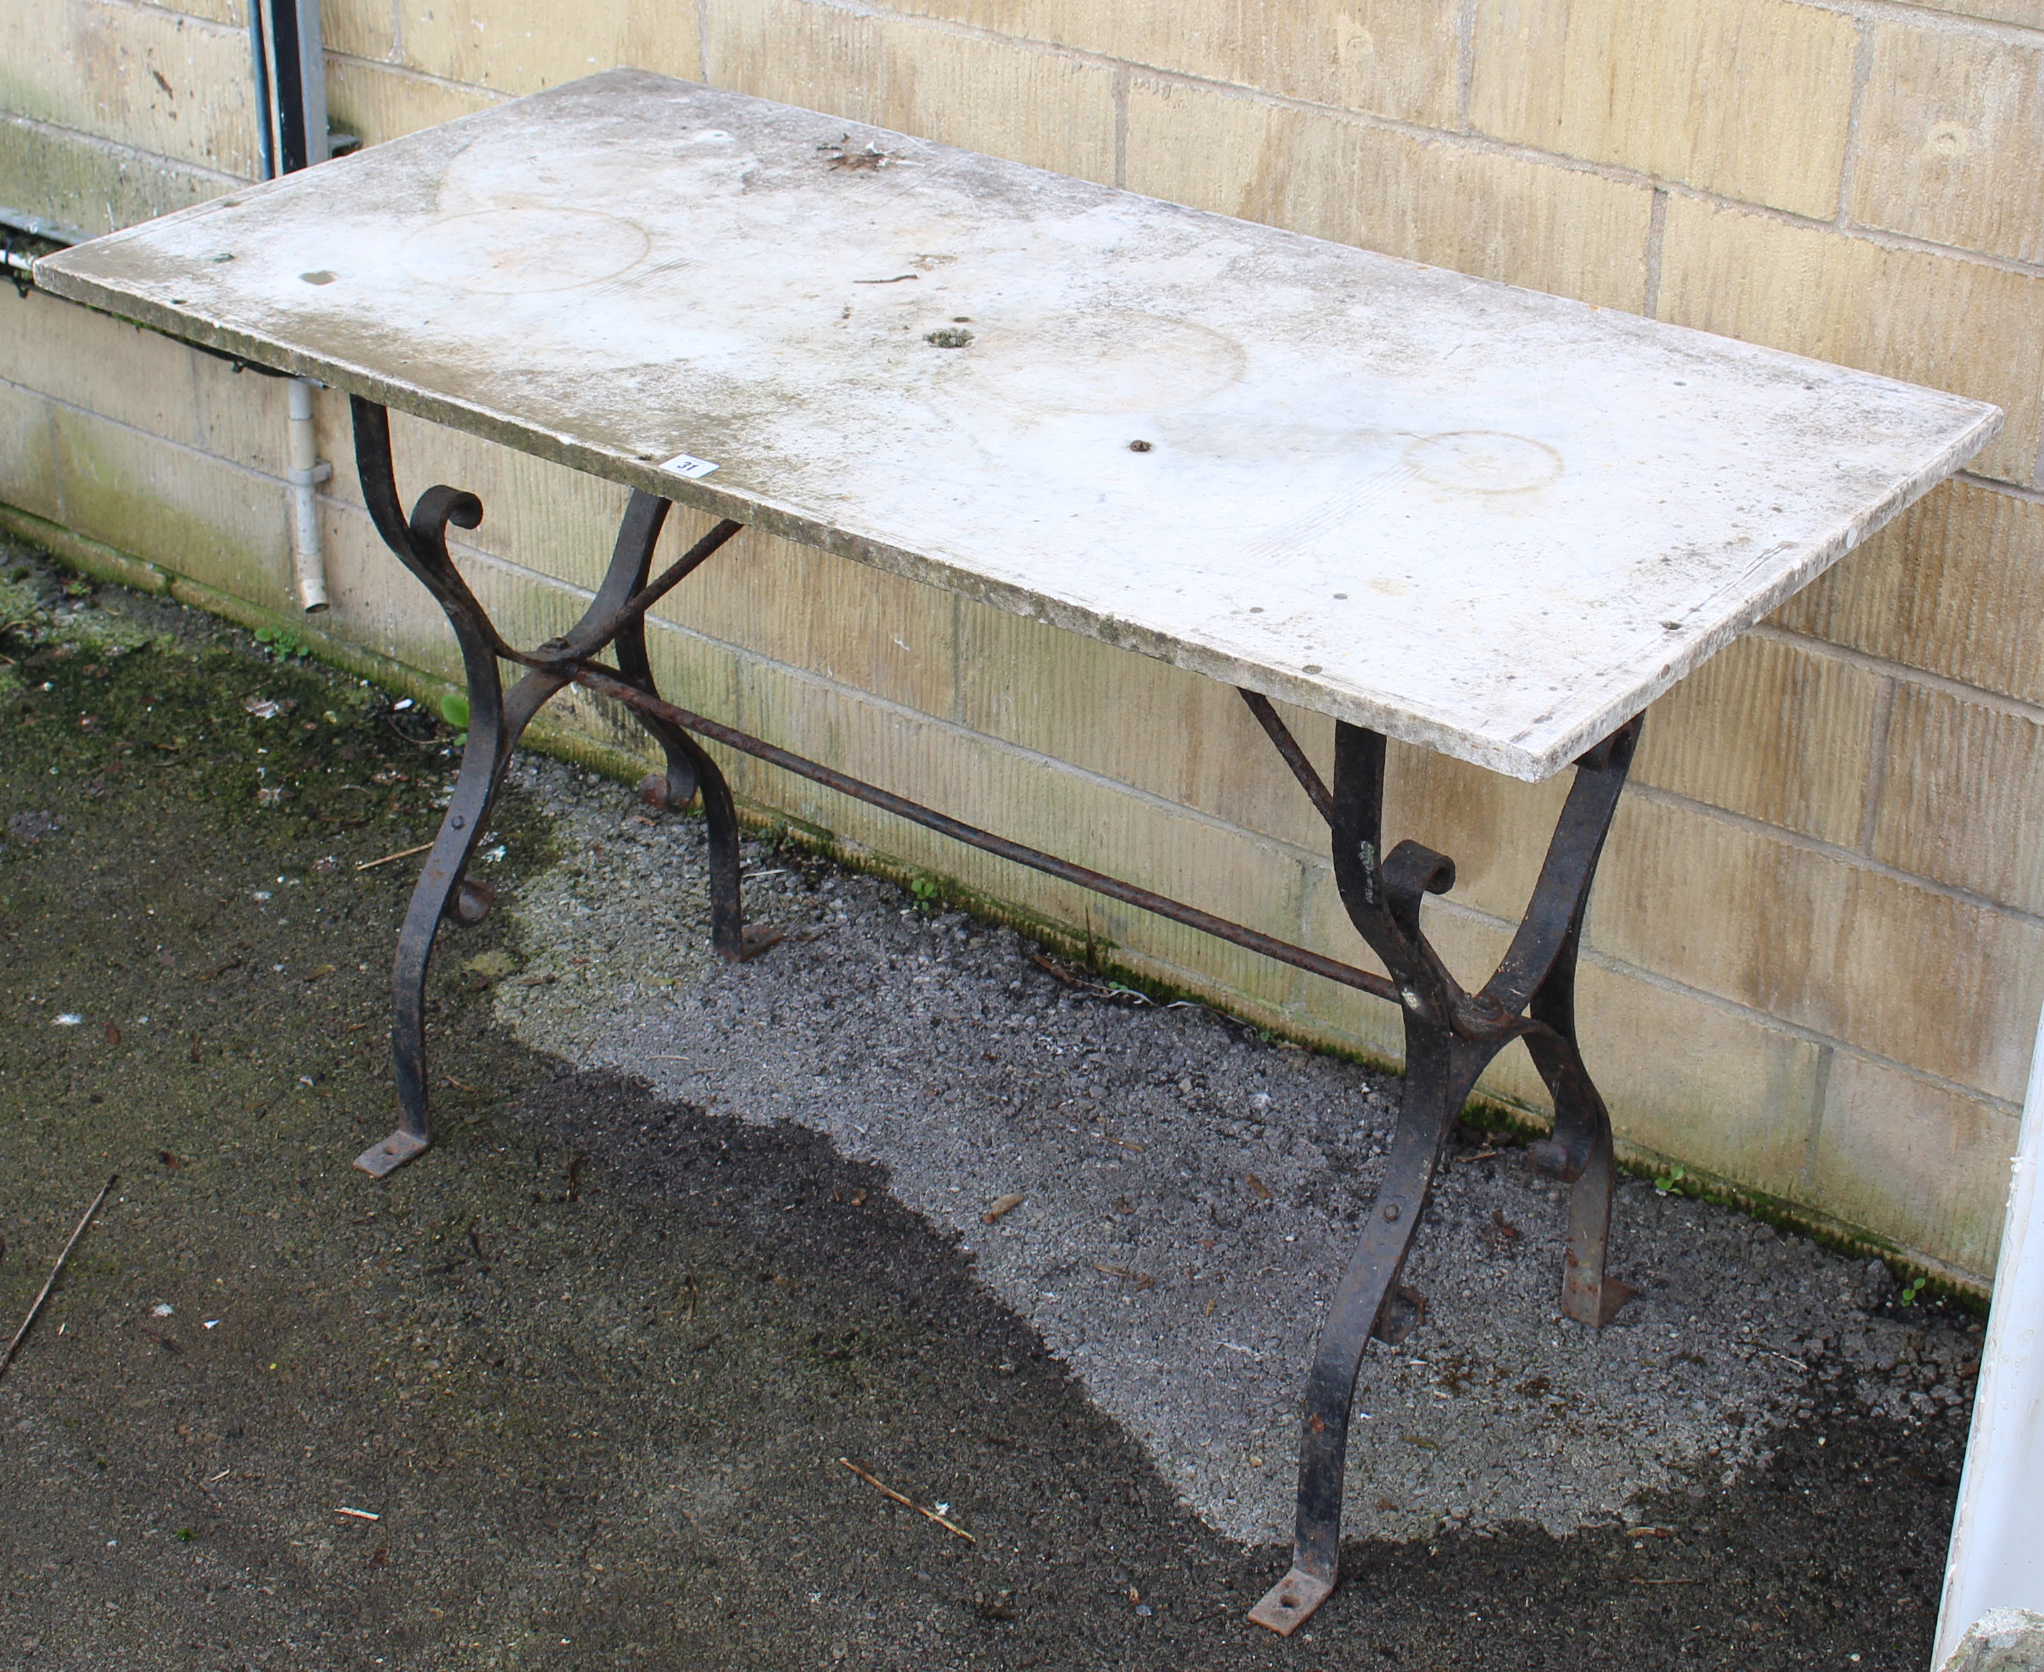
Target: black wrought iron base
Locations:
point(1450, 1037)
point(1451, 1034)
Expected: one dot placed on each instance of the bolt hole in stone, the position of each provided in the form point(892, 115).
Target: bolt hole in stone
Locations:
point(948, 337)
point(1139, 447)
point(318, 276)
point(1288, 1602)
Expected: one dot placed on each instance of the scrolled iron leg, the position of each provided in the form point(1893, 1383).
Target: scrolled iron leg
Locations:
point(1580, 1150)
point(691, 771)
point(1450, 1035)
point(496, 722)
point(446, 891)
point(675, 788)
point(1579, 1154)
point(421, 543)
point(1439, 1075)
point(728, 934)
point(1589, 1294)
point(436, 895)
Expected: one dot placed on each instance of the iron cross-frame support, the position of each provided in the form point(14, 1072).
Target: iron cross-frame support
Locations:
point(1450, 1037)
point(1451, 1034)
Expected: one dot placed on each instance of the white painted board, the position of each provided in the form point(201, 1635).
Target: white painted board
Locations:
point(1478, 518)
point(1996, 1559)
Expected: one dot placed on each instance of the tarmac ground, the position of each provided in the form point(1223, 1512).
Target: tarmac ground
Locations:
point(574, 1388)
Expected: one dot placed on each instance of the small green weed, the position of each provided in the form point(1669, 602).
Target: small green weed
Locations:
point(1912, 1289)
point(1670, 1182)
point(454, 710)
point(284, 644)
point(924, 890)
point(185, 1535)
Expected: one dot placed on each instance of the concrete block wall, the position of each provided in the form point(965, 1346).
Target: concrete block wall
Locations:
point(1815, 952)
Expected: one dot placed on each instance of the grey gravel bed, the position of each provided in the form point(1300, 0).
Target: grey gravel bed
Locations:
point(1190, 1193)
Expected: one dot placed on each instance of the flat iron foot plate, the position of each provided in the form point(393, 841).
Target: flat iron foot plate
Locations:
point(391, 1154)
point(1290, 1603)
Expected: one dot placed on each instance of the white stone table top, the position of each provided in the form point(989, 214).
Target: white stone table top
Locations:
point(1482, 519)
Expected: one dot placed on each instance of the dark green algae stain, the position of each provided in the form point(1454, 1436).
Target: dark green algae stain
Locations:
point(596, 1414)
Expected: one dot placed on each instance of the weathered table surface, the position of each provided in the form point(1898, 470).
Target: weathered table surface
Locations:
point(1482, 519)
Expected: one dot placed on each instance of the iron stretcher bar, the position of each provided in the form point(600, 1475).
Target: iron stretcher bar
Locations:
point(602, 680)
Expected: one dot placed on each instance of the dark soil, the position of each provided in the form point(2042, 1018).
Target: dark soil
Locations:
point(592, 1362)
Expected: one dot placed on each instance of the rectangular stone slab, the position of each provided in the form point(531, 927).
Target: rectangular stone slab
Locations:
point(1485, 520)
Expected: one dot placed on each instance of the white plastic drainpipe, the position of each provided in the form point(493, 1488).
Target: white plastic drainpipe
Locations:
point(1997, 1556)
point(305, 474)
point(289, 61)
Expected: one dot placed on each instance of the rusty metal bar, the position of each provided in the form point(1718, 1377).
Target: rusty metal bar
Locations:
point(679, 570)
point(598, 678)
point(1280, 734)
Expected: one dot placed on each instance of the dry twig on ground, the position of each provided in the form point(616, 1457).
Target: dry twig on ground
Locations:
point(907, 1503)
point(56, 1271)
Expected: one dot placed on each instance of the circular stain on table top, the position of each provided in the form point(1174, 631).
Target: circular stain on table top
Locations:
point(1483, 461)
point(1106, 362)
point(501, 252)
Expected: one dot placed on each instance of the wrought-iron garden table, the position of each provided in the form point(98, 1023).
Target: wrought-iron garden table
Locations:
point(1480, 519)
